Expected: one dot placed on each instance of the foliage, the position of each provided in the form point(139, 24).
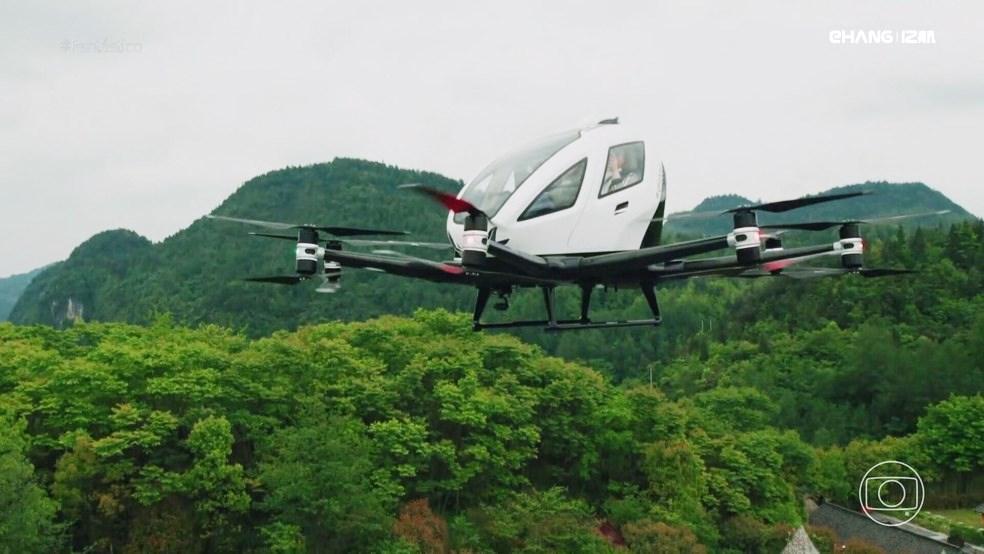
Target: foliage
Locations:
point(539, 522)
point(748, 535)
point(420, 526)
point(11, 289)
point(163, 438)
point(26, 511)
point(658, 537)
point(321, 486)
point(196, 273)
point(953, 431)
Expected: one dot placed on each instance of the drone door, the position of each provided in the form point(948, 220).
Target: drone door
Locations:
point(621, 202)
point(547, 223)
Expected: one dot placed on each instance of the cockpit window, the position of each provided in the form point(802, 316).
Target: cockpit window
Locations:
point(625, 167)
point(559, 195)
point(496, 183)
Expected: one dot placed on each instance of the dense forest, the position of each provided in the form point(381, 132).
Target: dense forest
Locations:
point(218, 416)
point(404, 435)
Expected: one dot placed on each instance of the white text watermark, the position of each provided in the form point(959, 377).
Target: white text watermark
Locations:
point(104, 46)
point(881, 36)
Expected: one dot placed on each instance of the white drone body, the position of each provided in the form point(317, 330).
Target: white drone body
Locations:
point(587, 191)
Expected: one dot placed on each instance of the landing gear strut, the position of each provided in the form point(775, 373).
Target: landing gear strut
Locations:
point(551, 323)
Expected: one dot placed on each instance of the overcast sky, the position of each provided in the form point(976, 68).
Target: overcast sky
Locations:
point(187, 100)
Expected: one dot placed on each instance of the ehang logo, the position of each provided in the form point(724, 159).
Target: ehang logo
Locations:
point(894, 489)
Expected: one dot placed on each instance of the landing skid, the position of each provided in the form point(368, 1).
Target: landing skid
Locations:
point(553, 324)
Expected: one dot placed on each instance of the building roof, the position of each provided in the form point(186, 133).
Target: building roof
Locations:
point(848, 524)
point(800, 543)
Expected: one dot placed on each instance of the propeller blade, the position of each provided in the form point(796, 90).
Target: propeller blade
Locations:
point(809, 226)
point(786, 205)
point(445, 267)
point(884, 272)
point(448, 200)
point(904, 216)
point(686, 215)
point(814, 272)
point(273, 236)
point(775, 207)
point(277, 225)
point(451, 268)
point(277, 279)
point(361, 242)
point(268, 224)
point(821, 225)
point(353, 231)
point(434, 245)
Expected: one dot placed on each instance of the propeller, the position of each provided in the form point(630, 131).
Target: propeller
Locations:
point(475, 239)
point(363, 242)
point(277, 279)
point(451, 269)
point(884, 272)
point(446, 199)
point(821, 225)
point(815, 272)
point(333, 230)
point(773, 207)
point(786, 205)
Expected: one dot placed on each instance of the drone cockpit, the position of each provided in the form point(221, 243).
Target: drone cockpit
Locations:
point(576, 192)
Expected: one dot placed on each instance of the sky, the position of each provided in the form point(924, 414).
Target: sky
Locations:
point(146, 116)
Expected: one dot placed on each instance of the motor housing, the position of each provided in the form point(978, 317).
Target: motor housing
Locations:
point(306, 252)
point(851, 246)
point(745, 238)
point(475, 239)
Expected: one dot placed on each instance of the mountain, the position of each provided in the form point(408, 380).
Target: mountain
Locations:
point(195, 275)
point(11, 289)
point(64, 291)
point(886, 199)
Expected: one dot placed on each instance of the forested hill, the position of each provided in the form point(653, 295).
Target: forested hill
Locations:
point(195, 274)
point(11, 289)
point(887, 199)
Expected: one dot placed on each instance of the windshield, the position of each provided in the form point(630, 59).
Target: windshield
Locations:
point(494, 185)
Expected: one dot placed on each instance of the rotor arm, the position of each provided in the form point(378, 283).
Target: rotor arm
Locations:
point(644, 257)
point(727, 266)
point(403, 266)
point(527, 263)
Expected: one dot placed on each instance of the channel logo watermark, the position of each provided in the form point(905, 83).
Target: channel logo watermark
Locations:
point(894, 489)
point(104, 46)
point(881, 36)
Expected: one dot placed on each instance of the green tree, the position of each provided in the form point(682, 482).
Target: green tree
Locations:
point(320, 479)
point(217, 487)
point(27, 513)
point(539, 521)
point(952, 435)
